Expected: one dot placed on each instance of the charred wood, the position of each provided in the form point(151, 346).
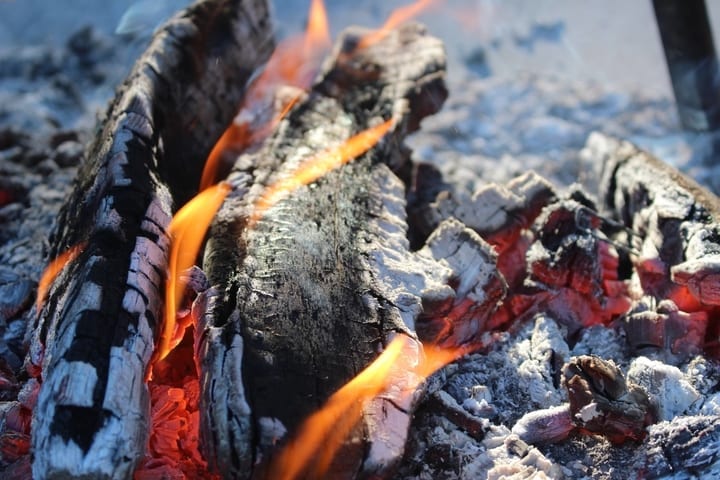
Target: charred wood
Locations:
point(603, 402)
point(672, 222)
point(94, 335)
point(311, 293)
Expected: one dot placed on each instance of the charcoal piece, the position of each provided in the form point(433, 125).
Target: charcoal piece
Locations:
point(565, 253)
point(602, 402)
point(671, 217)
point(315, 287)
point(661, 328)
point(497, 212)
point(549, 425)
point(700, 272)
point(478, 287)
point(15, 294)
point(686, 446)
point(94, 336)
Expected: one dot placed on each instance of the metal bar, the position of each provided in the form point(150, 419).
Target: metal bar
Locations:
point(692, 62)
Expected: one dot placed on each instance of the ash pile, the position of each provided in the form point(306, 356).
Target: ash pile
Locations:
point(590, 309)
point(608, 365)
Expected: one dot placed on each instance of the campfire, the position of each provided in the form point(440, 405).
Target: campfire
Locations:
point(253, 276)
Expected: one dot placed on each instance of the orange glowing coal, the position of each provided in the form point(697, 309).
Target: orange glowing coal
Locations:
point(319, 165)
point(310, 453)
point(53, 270)
point(187, 231)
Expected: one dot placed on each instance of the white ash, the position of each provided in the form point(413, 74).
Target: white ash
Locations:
point(670, 391)
point(516, 384)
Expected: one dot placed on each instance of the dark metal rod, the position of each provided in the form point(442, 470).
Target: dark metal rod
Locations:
point(692, 62)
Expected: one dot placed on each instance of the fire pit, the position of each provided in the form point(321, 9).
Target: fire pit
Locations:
point(253, 276)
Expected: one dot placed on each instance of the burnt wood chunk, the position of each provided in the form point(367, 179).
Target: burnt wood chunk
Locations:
point(95, 334)
point(672, 220)
point(310, 293)
point(603, 402)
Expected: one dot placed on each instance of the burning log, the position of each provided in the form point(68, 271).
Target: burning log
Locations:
point(94, 334)
point(311, 289)
point(672, 243)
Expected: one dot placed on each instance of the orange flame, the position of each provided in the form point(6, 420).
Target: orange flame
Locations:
point(295, 59)
point(397, 17)
point(187, 231)
point(319, 165)
point(323, 433)
point(234, 135)
point(52, 270)
point(293, 63)
point(317, 36)
point(328, 427)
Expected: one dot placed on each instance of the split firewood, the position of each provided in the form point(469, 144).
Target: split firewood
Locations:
point(311, 289)
point(672, 220)
point(95, 332)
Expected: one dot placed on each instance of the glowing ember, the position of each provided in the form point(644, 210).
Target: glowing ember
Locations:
point(323, 433)
point(319, 165)
point(52, 271)
point(173, 445)
point(187, 231)
point(397, 17)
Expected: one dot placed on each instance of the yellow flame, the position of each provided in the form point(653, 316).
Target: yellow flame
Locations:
point(187, 231)
point(52, 270)
point(319, 165)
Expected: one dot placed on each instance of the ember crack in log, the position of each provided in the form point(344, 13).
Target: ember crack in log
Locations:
point(97, 325)
point(309, 295)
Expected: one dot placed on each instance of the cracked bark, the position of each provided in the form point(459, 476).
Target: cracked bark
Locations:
point(94, 335)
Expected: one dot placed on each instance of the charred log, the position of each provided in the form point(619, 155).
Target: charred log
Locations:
point(671, 219)
point(310, 293)
point(94, 336)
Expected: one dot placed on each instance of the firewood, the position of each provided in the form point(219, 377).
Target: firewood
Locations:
point(95, 334)
point(672, 220)
point(310, 292)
